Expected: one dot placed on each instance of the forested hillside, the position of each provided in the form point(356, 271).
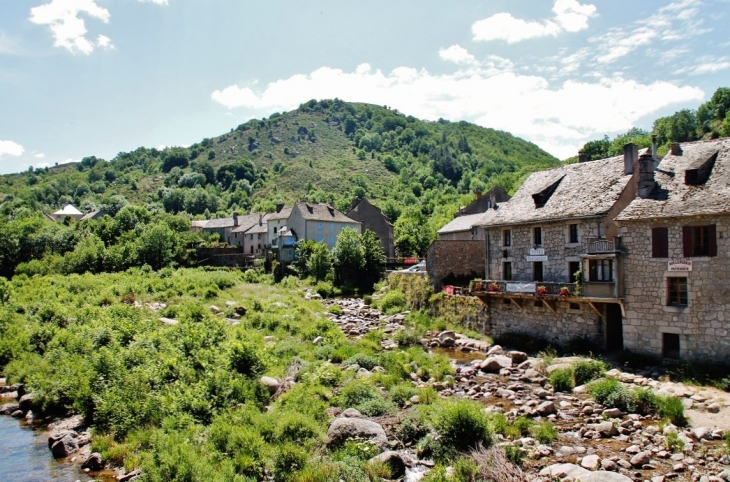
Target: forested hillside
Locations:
point(418, 172)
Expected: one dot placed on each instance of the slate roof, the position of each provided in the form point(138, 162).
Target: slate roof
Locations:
point(283, 214)
point(251, 221)
point(465, 223)
point(94, 215)
point(364, 203)
point(258, 229)
point(218, 223)
point(673, 198)
point(323, 212)
point(586, 189)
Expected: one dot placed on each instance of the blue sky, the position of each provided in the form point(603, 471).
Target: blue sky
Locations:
point(96, 77)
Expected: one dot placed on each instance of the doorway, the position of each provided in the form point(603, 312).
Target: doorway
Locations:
point(614, 328)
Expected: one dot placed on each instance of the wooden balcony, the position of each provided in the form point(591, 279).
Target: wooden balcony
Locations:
point(603, 246)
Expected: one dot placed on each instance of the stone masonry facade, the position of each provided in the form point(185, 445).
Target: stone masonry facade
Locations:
point(452, 260)
point(703, 325)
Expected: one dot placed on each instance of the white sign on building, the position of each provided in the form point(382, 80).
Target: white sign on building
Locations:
point(520, 287)
point(680, 265)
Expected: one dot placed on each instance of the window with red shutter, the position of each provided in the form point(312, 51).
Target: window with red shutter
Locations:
point(660, 242)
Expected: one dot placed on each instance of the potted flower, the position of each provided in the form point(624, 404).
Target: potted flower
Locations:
point(542, 291)
point(493, 288)
point(564, 292)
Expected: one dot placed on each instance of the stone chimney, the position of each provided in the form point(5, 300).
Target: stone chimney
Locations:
point(583, 157)
point(631, 156)
point(653, 145)
point(676, 149)
point(261, 219)
point(479, 194)
point(235, 219)
point(646, 175)
point(279, 207)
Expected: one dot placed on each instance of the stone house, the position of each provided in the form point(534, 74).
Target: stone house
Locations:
point(553, 258)
point(252, 234)
point(675, 235)
point(372, 218)
point(464, 228)
point(228, 229)
point(484, 202)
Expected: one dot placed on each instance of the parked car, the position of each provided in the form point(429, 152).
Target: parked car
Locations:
point(416, 268)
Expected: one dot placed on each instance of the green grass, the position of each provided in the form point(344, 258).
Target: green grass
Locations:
point(544, 433)
point(562, 380)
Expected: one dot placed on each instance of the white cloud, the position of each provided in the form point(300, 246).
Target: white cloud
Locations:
point(456, 54)
point(40, 155)
point(570, 16)
point(64, 20)
point(557, 119)
point(105, 43)
point(707, 64)
point(158, 2)
point(11, 149)
point(8, 45)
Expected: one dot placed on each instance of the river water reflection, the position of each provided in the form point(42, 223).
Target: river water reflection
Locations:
point(24, 456)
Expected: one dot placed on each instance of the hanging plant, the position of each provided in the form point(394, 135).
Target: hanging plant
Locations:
point(542, 291)
point(564, 292)
point(493, 288)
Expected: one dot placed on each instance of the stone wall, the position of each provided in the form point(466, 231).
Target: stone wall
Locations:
point(373, 219)
point(449, 262)
point(554, 241)
point(540, 322)
point(704, 325)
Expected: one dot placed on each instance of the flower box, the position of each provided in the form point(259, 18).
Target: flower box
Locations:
point(493, 288)
point(564, 292)
point(542, 291)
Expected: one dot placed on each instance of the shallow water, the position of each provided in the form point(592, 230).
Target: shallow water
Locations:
point(24, 456)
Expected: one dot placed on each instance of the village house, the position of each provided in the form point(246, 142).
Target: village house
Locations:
point(484, 202)
point(318, 222)
point(553, 258)
point(675, 236)
point(252, 234)
point(227, 228)
point(67, 210)
point(372, 218)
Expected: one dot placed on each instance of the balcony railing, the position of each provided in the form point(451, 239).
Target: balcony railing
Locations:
point(525, 287)
point(600, 246)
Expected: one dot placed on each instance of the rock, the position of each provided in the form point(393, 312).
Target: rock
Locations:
point(129, 477)
point(93, 463)
point(446, 334)
point(606, 429)
point(269, 339)
point(546, 408)
point(573, 472)
point(640, 459)
point(494, 364)
point(343, 429)
point(352, 413)
point(241, 310)
point(714, 408)
point(17, 414)
point(318, 340)
point(610, 465)
point(612, 413)
point(26, 402)
point(447, 342)
point(394, 461)
point(517, 356)
point(169, 321)
point(495, 350)
point(64, 444)
point(702, 433)
point(272, 384)
point(590, 462)
point(214, 309)
point(9, 408)
point(30, 416)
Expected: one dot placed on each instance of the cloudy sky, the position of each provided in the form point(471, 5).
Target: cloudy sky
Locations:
point(96, 77)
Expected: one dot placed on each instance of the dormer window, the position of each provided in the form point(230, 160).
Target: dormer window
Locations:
point(698, 172)
point(541, 198)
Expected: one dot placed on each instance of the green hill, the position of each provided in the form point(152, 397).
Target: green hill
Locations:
point(327, 151)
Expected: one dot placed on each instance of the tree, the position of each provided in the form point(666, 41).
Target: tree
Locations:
point(374, 265)
point(158, 246)
point(597, 149)
point(721, 101)
point(679, 127)
point(176, 157)
point(348, 257)
point(319, 263)
point(411, 233)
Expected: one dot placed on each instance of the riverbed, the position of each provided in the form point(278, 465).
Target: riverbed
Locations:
point(24, 456)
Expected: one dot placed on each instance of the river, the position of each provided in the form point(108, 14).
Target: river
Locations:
point(24, 456)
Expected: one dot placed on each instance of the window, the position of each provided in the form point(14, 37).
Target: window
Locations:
point(573, 268)
point(252, 249)
point(332, 240)
point(319, 238)
point(670, 345)
point(537, 271)
point(507, 271)
point(677, 295)
point(274, 230)
point(251, 237)
point(235, 235)
point(600, 270)
point(342, 226)
point(319, 226)
point(659, 242)
point(332, 226)
point(699, 240)
point(573, 233)
point(507, 237)
point(258, 236)
point(352, 226)
point(537, 236)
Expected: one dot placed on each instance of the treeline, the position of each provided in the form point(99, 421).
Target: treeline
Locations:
point(30, 244)
point(710, 121)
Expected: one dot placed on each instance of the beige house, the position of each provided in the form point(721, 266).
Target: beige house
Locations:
point(67, 210)
point(253, 238)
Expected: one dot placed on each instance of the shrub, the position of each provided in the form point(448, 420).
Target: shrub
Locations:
point(296, 427)
point(514, 454)
point(562, 380)
point(463, 425)
point(406, 338)
point(610, 393)
point(673, 443)
point(335, 310)
point(362, 360)
point(368, 300)
point(325, 289)
point(671, 408)
point(402, 393)
point(413, 427)
point(544, 432)
point(587, 371)
point(290, 459)
point(427, 395)
point(393, 302)
point(245, 359)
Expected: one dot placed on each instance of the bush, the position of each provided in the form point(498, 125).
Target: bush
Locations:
point(296, 427)
point(671, 408)
point(362, 360)
point(335, 310)
point(562, 380)
point(514, 454)
point(544, 432)
point(610, 393)
point(324, 289)
point(587, 371)
point(368, 300)
point(363, 397)
point(393, 302)
point(290, 459)
point(463, 425)
point(402, 393)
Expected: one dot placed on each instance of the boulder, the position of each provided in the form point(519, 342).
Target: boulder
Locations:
point(641, 459)
point(352, 413)
point(702, 433)
point(590, 462)
point(606, 429)
point(612, 413)
point(446, 334)
point(494, 364)
point(214, 309)
point(574, 472)
point(318, 340)
point(93, 463)
point(169, 321)
point(517, 356)
point(546, 408)
point(272, 384)
point(394, 461)
point(26, 402)
point(9, 408)
point(240, 310)
point(343, 429)
point(17, 414)
point(64, 444)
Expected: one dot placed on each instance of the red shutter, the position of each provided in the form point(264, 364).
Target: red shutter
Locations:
point(687, 239)
point(712, 235)
point(659, 242)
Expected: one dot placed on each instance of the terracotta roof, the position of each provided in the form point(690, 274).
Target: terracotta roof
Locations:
point(323, 212)
point(672, 197)
point(585, 189)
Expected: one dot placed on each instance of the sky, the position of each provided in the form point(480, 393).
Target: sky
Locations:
point(98, 77)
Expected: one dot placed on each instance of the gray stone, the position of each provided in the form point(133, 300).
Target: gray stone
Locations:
point(17, 414)
point(610, 465)
point(590, 462)
point(394, 461)
point(612, 413)
point(702, 433)
point(517, 356)
point(343, 429)
point(714, 408)
point(606, 429)
point(641, 459)
point(318, 340)
point(494, 364)
point(9, 408)
point(169, 321)
point(272, 384)
point(64, 446)
point(93, 462)
point(352, 413)
point(26, 402)
point(546, 408)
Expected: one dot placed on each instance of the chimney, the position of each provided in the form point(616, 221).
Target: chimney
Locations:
point(646, 175)
point(235, 219)
point(676, 149)
point(261, 219)
point(279, 207)
point(479, 194)
point(631, 154)
point(583, 157)
point(653, 145)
